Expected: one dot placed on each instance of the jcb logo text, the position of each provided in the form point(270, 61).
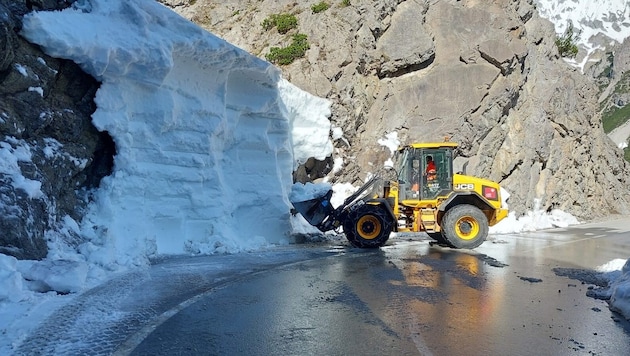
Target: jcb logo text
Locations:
point(465, 186)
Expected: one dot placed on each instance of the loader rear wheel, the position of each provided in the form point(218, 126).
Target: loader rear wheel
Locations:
point(465, 226)
point(368, 226)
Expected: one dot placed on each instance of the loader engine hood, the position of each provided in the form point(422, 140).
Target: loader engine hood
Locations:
point(489, 190)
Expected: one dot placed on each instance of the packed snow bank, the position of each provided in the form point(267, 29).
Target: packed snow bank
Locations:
point(620, 292)
point(533, 220)
point(617, 293)
point(207, 135)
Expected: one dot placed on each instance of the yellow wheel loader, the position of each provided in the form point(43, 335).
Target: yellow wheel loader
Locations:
point(426, 196)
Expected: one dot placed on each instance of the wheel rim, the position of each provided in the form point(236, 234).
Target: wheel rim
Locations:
point(368, 227)
point(467, 228)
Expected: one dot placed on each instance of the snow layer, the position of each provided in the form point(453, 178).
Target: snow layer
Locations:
point(610, 18)
point(207, 135)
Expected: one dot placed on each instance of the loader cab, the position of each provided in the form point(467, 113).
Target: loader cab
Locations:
point(418, 183)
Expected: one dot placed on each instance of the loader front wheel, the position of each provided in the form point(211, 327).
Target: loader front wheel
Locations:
point(465, 226)
point(368, 226)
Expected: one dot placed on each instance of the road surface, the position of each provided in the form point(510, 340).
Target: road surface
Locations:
point(408, 298)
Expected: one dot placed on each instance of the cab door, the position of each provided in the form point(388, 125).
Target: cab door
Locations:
point(440, 182)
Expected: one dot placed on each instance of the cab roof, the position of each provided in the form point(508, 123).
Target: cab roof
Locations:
point(430, 145)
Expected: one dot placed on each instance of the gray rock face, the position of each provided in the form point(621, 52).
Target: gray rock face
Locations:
point(415, 52)
point(486, 74)
point(52, 153)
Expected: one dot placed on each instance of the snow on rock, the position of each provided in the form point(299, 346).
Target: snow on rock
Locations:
point(590, 18)
point(207, 135)
point(12, 152)
point(392, 142)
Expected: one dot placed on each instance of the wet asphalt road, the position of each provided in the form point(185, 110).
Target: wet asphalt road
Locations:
point(408, 298)
point(411, 298)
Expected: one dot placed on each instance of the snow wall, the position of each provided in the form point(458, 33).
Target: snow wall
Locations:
point(207, 135)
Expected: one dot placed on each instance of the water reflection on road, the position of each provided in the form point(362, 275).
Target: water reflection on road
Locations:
point(411, 298)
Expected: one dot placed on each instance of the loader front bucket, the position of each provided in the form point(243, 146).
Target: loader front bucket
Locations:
point(315, 211)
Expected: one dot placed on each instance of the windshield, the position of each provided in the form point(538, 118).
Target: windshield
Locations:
point(424, 173)
point(405, 165)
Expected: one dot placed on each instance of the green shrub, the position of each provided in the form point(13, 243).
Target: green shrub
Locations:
point(566, 43)
point(319, 7)
point(608, 71)
point(287, 55)
point(283, 22)
point(615, 117)
point(345, 3)
point(623, 85)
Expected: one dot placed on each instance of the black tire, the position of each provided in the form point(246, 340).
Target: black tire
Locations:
point(368, 226)
point(437, 236)
point(465, 226)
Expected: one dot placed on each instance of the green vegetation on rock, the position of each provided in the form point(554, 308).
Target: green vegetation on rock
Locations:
point(319, 7)
point(287, 55)
point(614, 115)
point(283, 22)
point(567, 42)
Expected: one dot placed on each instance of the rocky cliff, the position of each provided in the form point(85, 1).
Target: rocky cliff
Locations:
point(487, 74)
point(50, 153)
